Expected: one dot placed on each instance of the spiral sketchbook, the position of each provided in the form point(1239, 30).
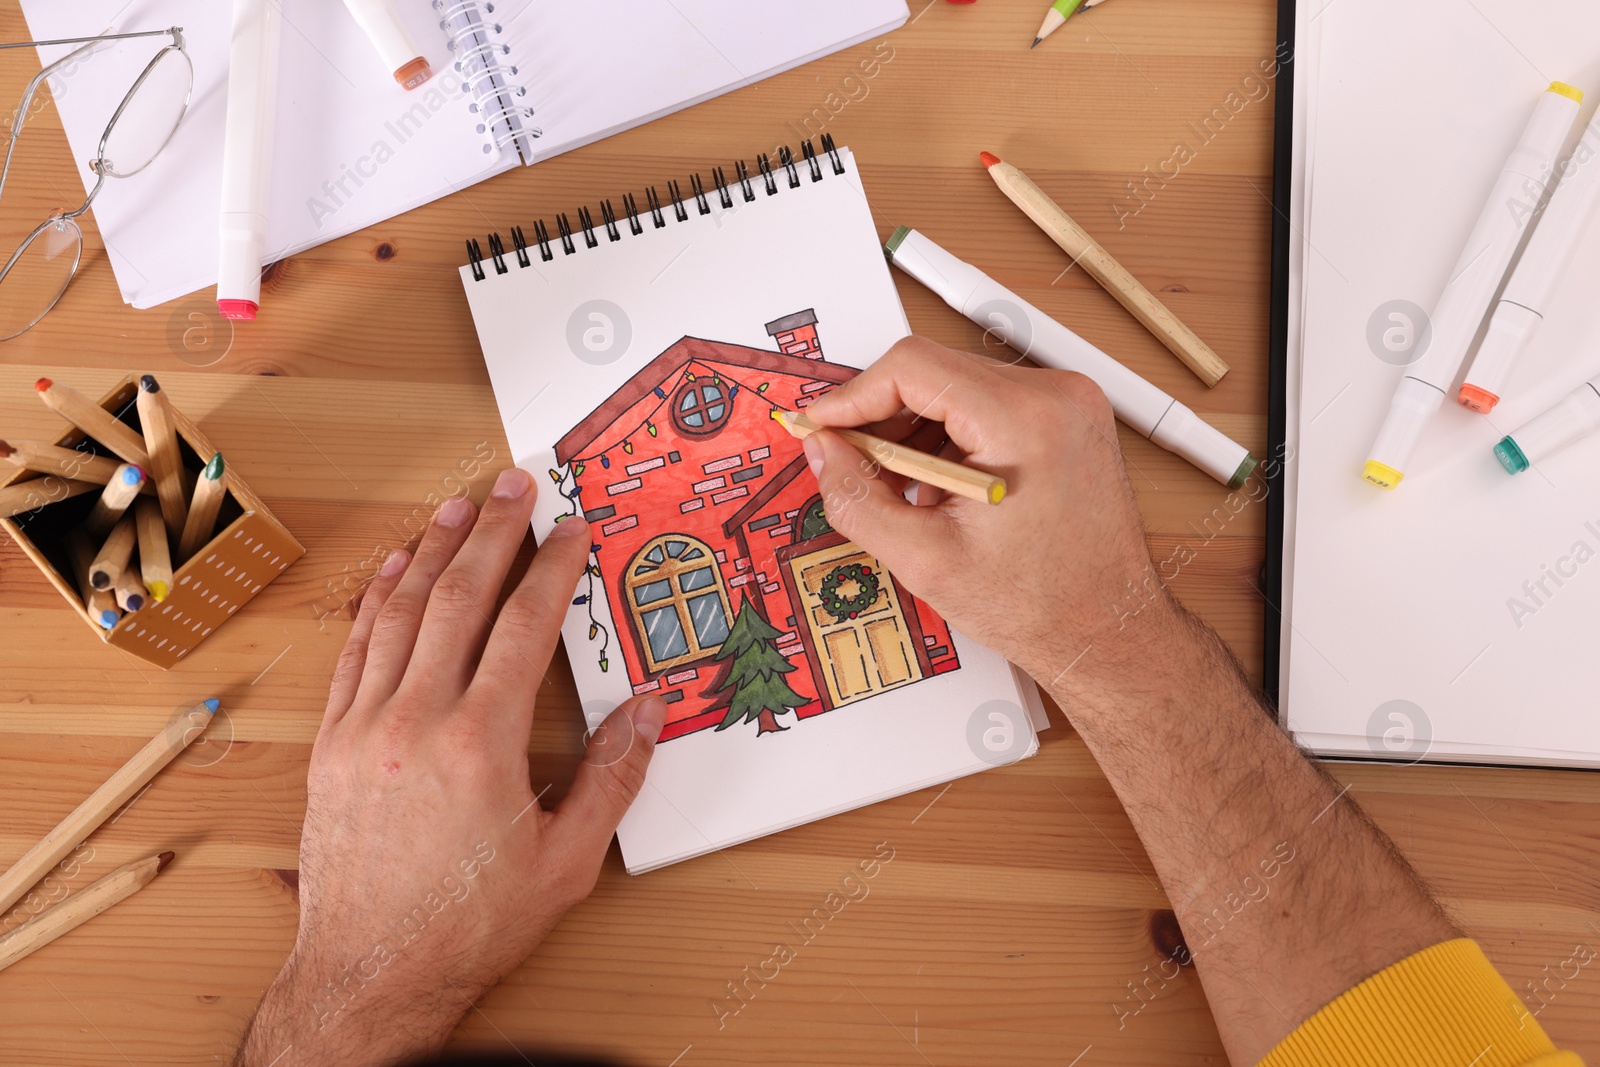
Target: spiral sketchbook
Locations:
point(514, 82)
point(637, 354)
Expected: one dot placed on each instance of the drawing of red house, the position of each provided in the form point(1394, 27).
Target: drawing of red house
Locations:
point(697, 498)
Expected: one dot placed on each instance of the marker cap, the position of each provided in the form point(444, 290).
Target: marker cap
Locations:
point(1510, 456)
point(413, 73)
point(1511, 327)
point(1480, 400)
point(1414, 403)
point(238, 310)
point(1576, 415)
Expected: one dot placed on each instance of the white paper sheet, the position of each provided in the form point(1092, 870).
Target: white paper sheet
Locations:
point(1420, 595)
point(722, 278)
point(353, 148)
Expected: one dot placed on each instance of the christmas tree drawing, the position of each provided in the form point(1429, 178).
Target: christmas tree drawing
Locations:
point(750, 681)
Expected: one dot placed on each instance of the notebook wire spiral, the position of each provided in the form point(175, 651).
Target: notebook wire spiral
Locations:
point(788, 171)
point(482, 60)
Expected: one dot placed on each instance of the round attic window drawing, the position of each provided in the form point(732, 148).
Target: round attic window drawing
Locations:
point(701, 408)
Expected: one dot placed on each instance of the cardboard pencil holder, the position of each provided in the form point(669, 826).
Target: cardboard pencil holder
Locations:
point(249, 549)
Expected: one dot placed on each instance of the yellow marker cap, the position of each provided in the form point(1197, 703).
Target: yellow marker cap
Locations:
point(1381, 474)
point(1566, 90)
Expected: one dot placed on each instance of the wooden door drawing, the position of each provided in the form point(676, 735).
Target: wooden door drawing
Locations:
point(852, 613)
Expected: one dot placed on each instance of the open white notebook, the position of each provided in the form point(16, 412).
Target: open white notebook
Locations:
point(353, 148)
point(1454, 618)
point(637, 353)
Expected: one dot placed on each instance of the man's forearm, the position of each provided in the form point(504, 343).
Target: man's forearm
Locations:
point(312, 1014)
point(1286, 893)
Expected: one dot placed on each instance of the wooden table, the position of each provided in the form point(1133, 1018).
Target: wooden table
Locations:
point(1018, 906)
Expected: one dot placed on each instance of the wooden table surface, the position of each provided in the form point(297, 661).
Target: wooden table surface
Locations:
point(1018, 906)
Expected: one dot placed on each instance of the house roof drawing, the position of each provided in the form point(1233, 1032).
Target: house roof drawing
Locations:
point(669, 363)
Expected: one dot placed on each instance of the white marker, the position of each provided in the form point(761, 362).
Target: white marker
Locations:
point(1521, 308)
point(1033, 333)
point(1477, 274)
point(247, 155)
point(396, 50)
point(1576, 416)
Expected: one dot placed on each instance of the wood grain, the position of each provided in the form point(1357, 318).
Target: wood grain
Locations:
point(1018, 905)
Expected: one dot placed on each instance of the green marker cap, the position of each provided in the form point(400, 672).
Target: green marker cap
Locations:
point(1510, 456)
point(895, 238)
point(1242, 475)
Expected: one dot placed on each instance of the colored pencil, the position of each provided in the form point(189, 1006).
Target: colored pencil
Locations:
point(1076, 242)
point(930, 470)
point(53, 459)
point(37, 492)
point(155, 550)
point(114, 500)
point(130, 591)
point(209, 490)
point(166, 460)
point(80, 907)
point(101, 604)
point(113, 556)
point(179, 732)
point(93, 420)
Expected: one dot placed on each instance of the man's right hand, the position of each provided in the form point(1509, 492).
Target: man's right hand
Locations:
point(1042, 576)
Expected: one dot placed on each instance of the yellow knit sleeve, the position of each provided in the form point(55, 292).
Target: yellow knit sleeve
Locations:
point(1443, 1006)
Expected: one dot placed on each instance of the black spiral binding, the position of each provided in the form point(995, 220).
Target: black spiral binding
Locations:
point(795, 173)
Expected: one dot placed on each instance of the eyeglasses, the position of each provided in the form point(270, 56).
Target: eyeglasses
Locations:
point(38, 272)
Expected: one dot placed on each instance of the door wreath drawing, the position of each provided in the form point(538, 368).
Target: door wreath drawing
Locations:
point(732, 597)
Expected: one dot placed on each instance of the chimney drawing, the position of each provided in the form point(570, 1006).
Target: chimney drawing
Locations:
point(797, 334)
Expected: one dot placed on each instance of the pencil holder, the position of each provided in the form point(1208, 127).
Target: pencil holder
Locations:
point(248, 549)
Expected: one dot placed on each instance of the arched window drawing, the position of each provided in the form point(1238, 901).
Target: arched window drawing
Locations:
point(701, 407)
point(678, 601)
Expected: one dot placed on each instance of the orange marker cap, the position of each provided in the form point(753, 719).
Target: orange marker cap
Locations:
point(1480, 400)
point(413, 73)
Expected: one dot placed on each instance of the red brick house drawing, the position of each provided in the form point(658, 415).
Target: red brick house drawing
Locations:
point(697, 499)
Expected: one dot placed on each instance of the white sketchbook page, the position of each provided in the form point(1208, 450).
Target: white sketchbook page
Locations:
point(596, 68)
point(1308, 48)
point(352, 147)
point(722, 278)
point(1406, 595)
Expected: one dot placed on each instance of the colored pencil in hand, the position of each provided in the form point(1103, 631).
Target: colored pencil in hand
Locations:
point(155, 551)
point(209, 490)
point(114, 500)
point(113, 556)
point(94, 420)
point(1113, 276)
point(80, 907)
point(180, 731)
point(166, 460)
point(101, 604)
point(929, 470)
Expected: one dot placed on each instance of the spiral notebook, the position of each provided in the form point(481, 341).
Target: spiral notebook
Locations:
point(514, 82)
point(637, 352)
